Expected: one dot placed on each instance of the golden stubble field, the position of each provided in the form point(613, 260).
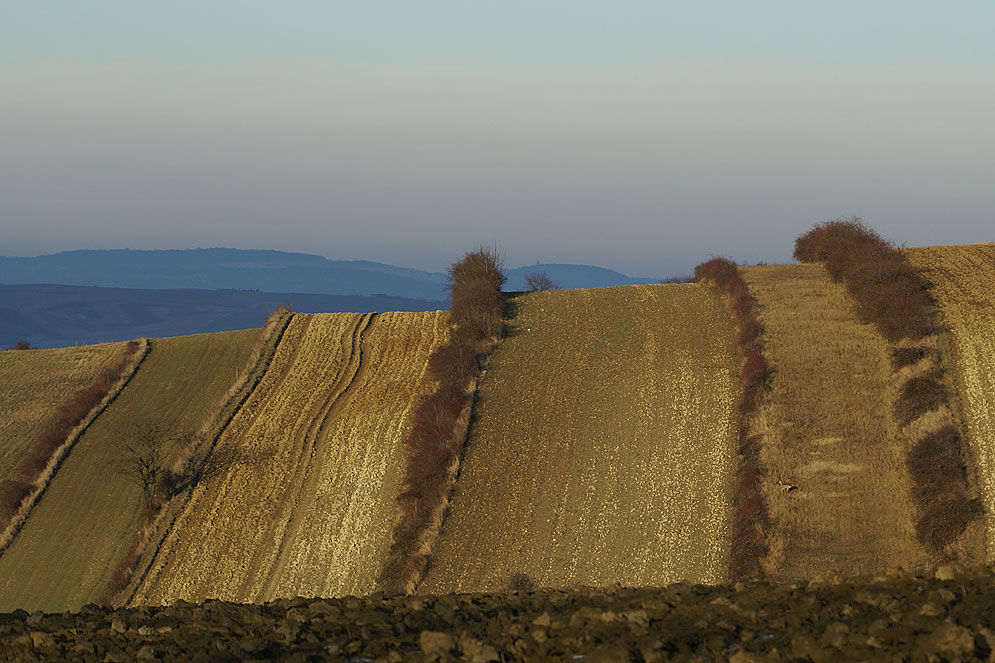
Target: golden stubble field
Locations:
point(963, 284)
point(602, 449)
point(302, 500)
point(88, 517)
point(34, 383)
point(829, 433)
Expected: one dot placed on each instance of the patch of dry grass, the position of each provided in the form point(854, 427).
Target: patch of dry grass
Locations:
point(830, 432)
point(891, 293)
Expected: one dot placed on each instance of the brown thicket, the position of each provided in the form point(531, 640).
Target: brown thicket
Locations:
point(440, 421)
point(750, 515)
point(887, 289)
point(891, 294)
point(70, 414)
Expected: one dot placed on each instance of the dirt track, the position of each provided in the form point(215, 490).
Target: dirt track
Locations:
point(300, 501)
point(829, 433)
point(602, 447)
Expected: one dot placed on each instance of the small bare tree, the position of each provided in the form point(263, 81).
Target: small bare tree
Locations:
point(142, 458)
point(536, 281)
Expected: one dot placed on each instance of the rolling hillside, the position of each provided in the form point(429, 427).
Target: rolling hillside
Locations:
point(88, 516)
point(829, 433)
point(963, 284)
point(305, 501)
point(603, 446)
point(34, 383)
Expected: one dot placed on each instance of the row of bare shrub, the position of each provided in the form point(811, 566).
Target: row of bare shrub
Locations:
point(190, 463)
point(887, 289)
point(750, 515)
point(441, 419)
point(50, 446)
point(891, 294)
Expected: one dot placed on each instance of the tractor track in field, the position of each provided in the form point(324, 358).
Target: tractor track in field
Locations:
point(304, 477)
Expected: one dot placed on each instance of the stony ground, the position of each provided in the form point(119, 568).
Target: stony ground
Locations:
point(948, 615)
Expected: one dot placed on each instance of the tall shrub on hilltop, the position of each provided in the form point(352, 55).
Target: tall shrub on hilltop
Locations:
point(887, 289)
point(441, 419)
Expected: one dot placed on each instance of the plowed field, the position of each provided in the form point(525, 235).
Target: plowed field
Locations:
point(603, 446)
point(89, 515)
point(963, 283)
point(34, 383)
point(829, 433)
point(302, 503)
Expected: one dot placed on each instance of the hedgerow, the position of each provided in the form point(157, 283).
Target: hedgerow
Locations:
point(751, 518)
point(441, 419)
point(890, 293)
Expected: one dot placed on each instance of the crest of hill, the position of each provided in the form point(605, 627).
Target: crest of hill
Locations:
point(572, 276)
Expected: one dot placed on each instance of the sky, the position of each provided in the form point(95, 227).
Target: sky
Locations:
point(640, 136)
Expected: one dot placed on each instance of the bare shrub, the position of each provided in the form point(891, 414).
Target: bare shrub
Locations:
point(453, 363)
point(888, 291)
point(142, 459)
point(918, 396)
point(21, 345)
point(536, 281)
point(943, 520)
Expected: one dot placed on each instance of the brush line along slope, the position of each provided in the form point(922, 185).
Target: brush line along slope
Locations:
point(83, 524)
point(301, 498)
point(33, 383)
point(603, 445)
point(829, 434)
point(963, 284)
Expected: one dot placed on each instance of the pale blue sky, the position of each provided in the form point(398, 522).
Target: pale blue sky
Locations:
point(642, 136)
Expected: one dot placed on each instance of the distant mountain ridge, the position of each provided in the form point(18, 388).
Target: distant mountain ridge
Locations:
point(266, 271)
point(61, 315)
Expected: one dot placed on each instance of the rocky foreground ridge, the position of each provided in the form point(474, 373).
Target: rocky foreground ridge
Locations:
point(946, 615)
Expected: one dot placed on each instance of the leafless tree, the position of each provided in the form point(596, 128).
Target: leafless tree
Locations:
point(142, 458)
point(540, 281)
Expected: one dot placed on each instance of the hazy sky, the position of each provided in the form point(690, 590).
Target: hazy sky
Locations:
point(641, 136)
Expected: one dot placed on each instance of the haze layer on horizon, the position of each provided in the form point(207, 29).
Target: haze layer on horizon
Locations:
point(639, 136)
